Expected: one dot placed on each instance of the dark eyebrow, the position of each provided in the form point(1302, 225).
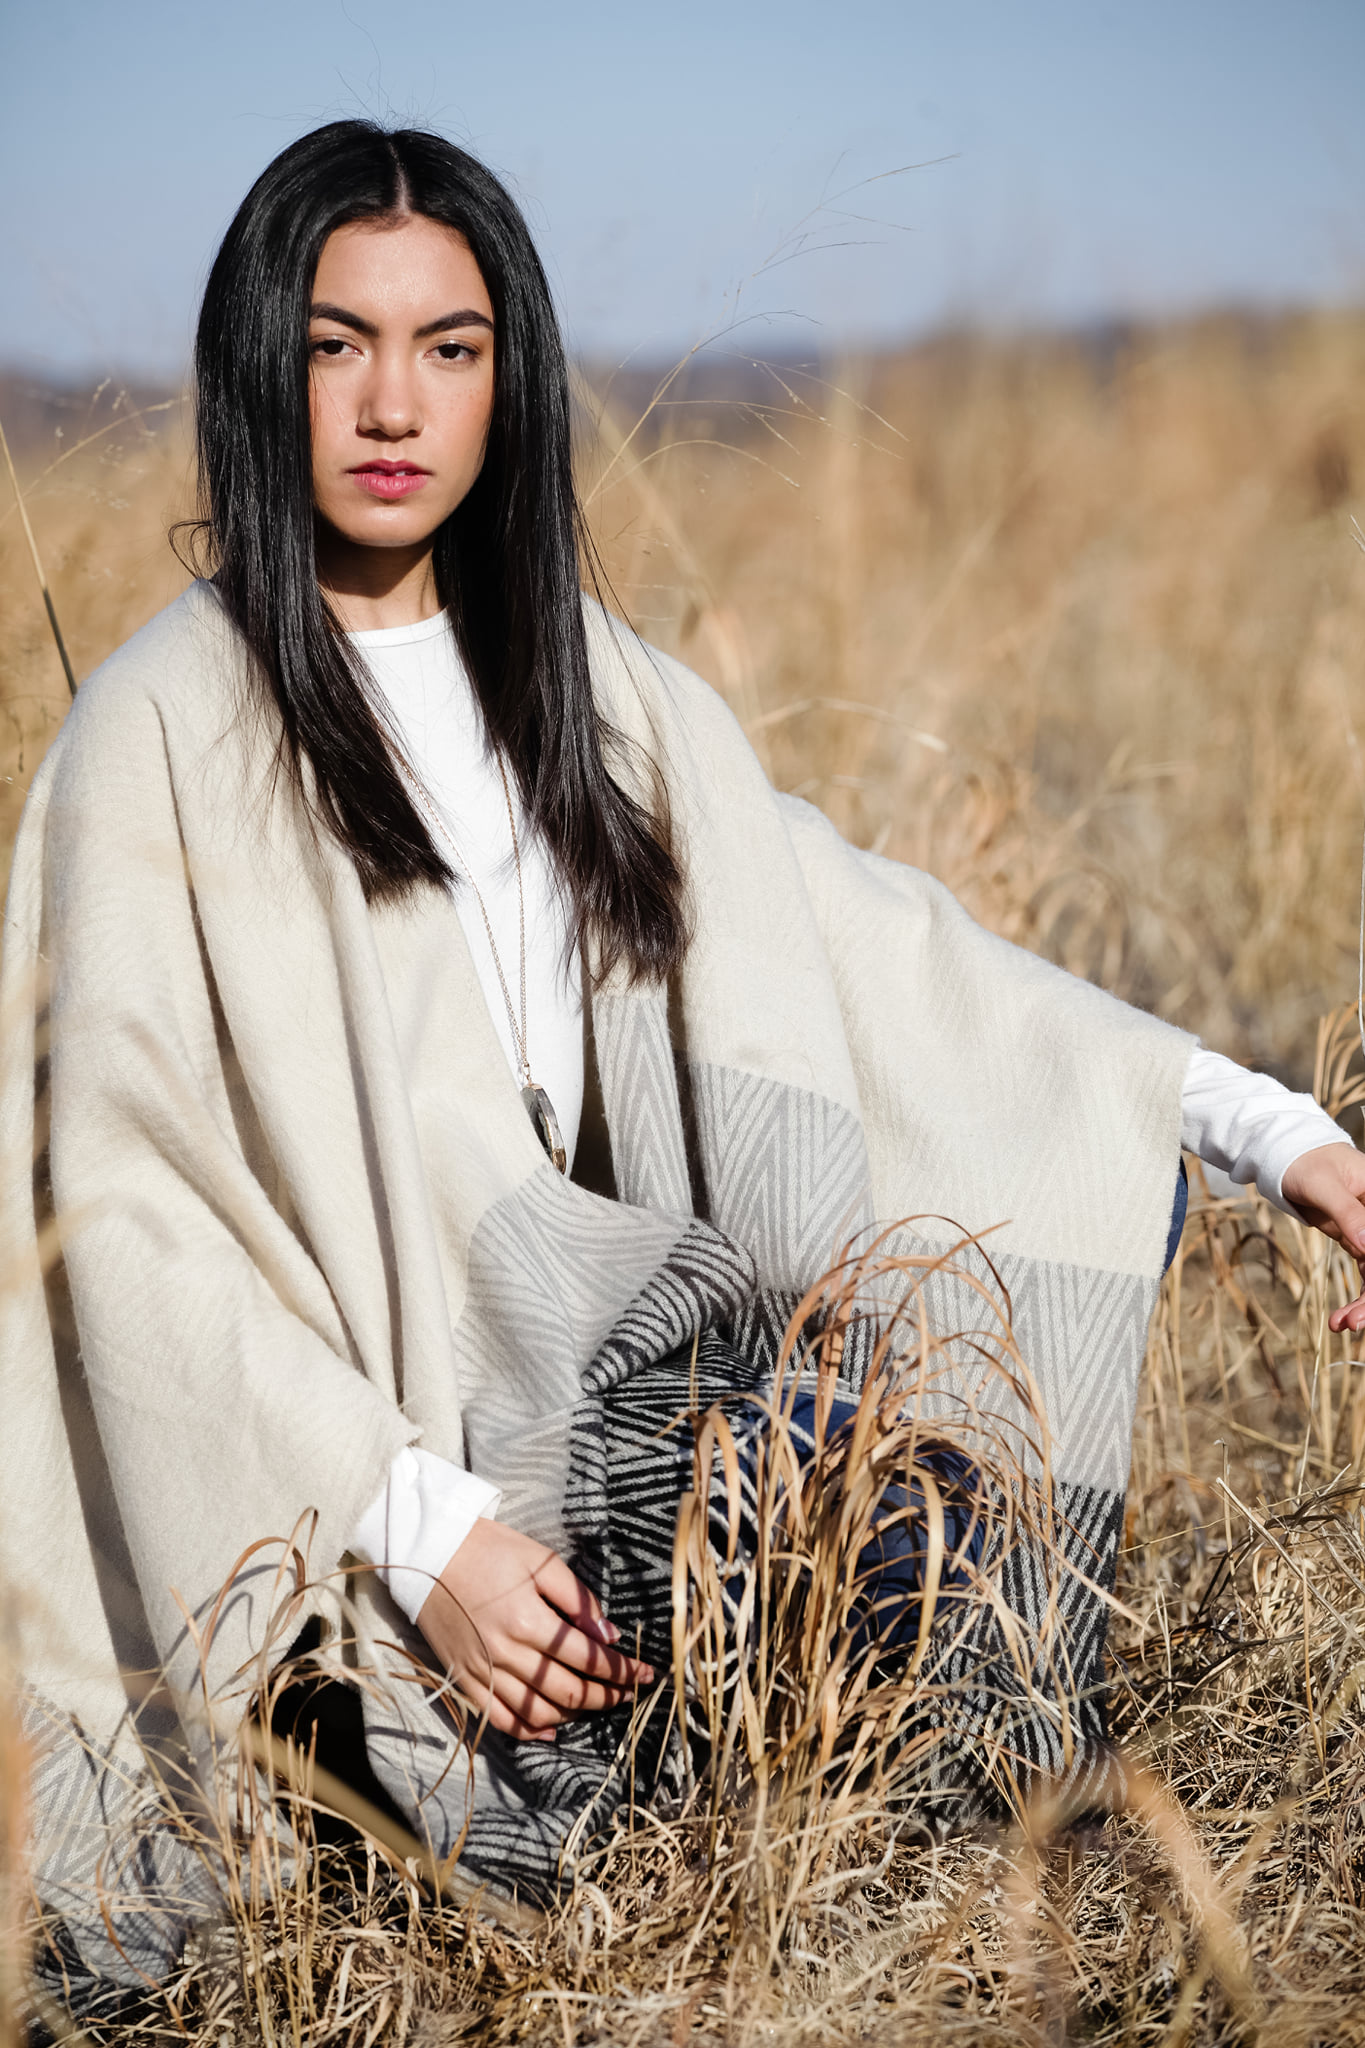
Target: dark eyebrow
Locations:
point(322, 311)
point(466, 317)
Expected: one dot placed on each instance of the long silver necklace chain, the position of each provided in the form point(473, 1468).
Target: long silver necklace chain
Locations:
point(538, 1105)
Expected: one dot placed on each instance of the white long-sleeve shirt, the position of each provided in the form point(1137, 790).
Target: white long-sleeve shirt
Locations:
point(431, 706)
point(1245, 1125)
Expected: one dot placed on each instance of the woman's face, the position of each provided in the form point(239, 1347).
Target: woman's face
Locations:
point(400, 340)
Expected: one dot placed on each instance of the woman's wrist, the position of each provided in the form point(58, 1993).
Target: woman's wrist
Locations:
point(1249, 1125)
point(415, 1526)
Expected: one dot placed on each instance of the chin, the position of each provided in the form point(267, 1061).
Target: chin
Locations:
point(385, 532)
point(393, 537)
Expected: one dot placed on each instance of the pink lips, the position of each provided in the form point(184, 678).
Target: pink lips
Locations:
point(390, 479)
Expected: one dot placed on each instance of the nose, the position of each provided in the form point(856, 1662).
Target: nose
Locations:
point(390, 409)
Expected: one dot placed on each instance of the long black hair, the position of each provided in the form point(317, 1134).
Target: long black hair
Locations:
point(508, 562)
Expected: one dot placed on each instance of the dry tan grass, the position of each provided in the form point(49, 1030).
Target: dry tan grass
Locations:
point(1082, 635)
point(1121, 592)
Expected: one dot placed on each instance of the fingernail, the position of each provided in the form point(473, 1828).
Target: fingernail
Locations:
point(610, 1632)
point(646, 1674)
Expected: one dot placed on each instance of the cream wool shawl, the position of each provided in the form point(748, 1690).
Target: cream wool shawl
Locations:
point(303, 1220)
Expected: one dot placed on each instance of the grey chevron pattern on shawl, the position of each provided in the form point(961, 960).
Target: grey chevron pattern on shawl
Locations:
point(301, 1219)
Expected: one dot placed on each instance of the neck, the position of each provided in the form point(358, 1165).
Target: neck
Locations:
point(373, 588)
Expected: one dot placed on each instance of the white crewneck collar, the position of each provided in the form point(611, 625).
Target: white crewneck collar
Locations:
point(402, 636)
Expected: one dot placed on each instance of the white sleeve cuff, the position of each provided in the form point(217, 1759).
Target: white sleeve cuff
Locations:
point(410, 1532)
point(1248, 1125)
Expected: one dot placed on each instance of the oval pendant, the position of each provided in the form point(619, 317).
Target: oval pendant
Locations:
point(541, 1111)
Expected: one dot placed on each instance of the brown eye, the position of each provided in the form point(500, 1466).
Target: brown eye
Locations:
point(331, 345)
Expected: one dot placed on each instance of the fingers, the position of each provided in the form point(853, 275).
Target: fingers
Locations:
point(567, 1627)
point(510, 1705)
point(1327, 1186)
point(565, 1687)
point(533, 1693)
point(529, 1711)
point(532, 1681)
point(534, 1641)
point(560, 1644)
point(1352, 1317)
point(1347, 1215)
point(523, 1638)
point(557, 1584)
point(509, 1722)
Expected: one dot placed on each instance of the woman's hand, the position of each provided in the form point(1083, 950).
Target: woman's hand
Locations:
point(523, 1639)
point(1327, 1185)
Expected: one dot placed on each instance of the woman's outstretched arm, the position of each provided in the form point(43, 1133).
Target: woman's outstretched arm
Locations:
point(1253, 1129)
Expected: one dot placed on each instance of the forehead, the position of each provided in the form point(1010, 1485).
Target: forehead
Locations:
point(396, 268)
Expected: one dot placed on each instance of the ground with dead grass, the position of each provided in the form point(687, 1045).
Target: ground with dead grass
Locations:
point(1081, 628)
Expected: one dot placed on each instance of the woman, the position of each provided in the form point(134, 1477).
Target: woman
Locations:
point(444, 1056)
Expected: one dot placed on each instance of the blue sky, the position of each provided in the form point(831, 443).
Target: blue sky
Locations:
point(1076, 160)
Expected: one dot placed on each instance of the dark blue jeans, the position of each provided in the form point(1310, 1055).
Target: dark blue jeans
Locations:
point(891, 1566)
point(1178, 1208)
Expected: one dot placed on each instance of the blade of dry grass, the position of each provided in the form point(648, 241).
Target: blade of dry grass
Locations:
point(38, 569)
